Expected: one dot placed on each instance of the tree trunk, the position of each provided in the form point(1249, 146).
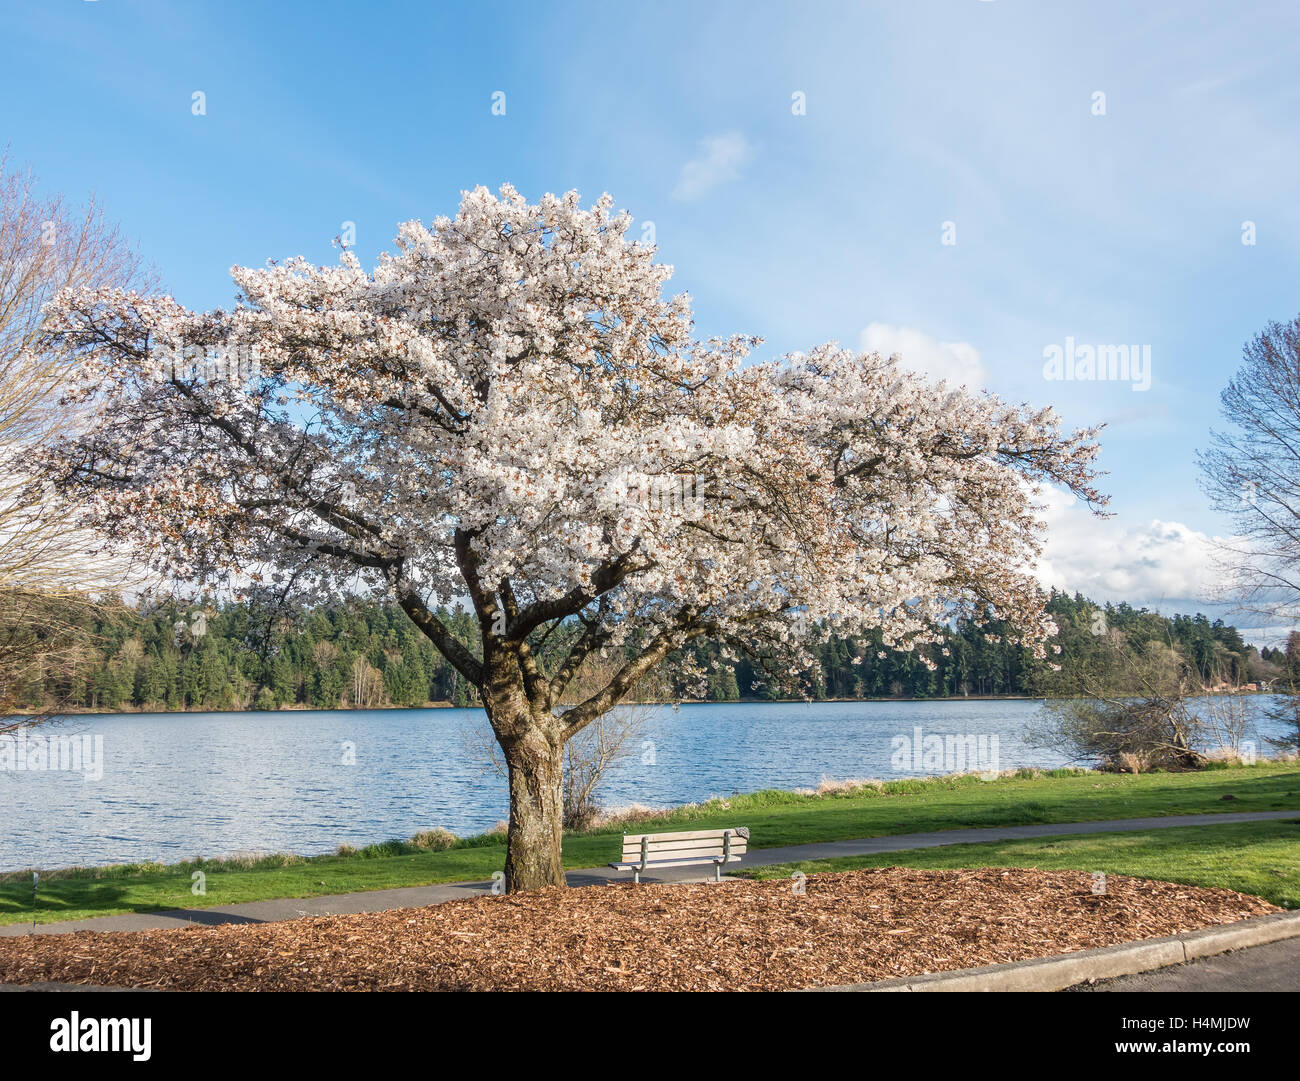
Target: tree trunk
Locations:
point(536, 770)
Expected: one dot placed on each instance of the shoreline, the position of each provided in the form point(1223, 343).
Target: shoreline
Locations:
point(139, 710)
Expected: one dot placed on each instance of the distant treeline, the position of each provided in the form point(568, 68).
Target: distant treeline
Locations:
point(353, 655)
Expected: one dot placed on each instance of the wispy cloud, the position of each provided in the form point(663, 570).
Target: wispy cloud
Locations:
point(719, 161)
point(956, 362)
point(1158, 563)
point(1166, 566)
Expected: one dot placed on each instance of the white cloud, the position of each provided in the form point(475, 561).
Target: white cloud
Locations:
point(956, 362)
point(1157, 564)
point(720, 160)
point(1274, 636)
point(1165, 566)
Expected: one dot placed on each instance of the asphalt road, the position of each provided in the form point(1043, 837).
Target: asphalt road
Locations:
point(1274, 967)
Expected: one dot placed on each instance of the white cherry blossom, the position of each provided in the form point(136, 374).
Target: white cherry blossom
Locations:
point(469, 421)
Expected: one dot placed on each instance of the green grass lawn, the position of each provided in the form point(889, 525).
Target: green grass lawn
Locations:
point(1262, 858)
point(774, 818)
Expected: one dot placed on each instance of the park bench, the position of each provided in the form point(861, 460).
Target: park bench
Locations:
point(645, 850)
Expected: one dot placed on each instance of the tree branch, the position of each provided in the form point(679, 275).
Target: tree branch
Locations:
point(437, 632)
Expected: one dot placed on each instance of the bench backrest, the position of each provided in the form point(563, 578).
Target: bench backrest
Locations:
point(700, 844)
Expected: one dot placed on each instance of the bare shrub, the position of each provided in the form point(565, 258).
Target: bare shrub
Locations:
point(634, 814)
point(1226, 722)
point(589, 756)
point(435, 840)
point(1285, 709)
point(1141, 716)
point(45, 554)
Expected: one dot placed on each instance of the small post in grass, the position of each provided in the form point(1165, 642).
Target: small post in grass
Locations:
point(36, 877)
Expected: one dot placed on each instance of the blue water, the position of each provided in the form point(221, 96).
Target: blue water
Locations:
point(176, 786)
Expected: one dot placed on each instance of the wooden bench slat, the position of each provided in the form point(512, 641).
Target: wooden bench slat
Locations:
point(671, 851)
point(686, 836)
point(673, 842)
point(633, 864)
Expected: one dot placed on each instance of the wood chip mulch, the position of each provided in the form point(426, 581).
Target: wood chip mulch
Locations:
point(848, 927)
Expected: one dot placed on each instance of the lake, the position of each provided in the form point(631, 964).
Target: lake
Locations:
point(176, 786)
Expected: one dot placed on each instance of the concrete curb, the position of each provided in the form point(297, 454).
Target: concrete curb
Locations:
point(1067, 969)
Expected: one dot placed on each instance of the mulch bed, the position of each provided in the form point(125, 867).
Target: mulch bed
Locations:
point(848, 927)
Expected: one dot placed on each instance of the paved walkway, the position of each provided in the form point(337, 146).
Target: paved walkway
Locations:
point(415, 896)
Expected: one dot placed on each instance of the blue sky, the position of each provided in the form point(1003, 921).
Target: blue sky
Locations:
point(1122, 228)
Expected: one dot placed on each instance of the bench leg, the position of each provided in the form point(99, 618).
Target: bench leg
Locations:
point(717, 872)
point(636, 878)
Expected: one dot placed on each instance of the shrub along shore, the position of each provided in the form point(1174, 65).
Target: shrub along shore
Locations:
point(837, 811)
